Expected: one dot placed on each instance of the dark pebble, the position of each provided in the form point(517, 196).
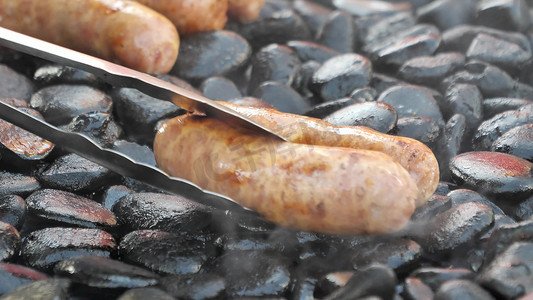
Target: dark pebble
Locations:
point(331, 282)
point(450, 143)
point(460, 196)
point(422, 129)
point(274, 62)
point(98, 126)
point(435, 205)
point(494, 106)
point(430, 70)
point(282, 97)
point(219, 88)
point(12, 210)
point(337, 32)
point(411, 100)
point(138, 113)
point(410, 47)
point(512, 15)
point(307, 51)
point(517, 141)
point(493, 173)
point(43, 248)
point(145, 293)
point(52, 74)
point(195, 286)
point(163, 252)
point(490, 130)
point(506, 235)
point(399, 36)
point(14, 85)
point(365, 94)
point(446, 14)
point(211, 53)
point(46, 289)
point(75, 173)
point(509, 274)
point(455, 227)
point(254, 274)
point(69, 209)
point(376, 115)
point(12, 276)
point(251, 102)
point(381, 82)
point(313, 13)
point(460, 37)
point(364, 7)
point(112, 195)
point(303, 79)
point(322, 110)
point(374, 30)
point(103, 272)
point(462, 289)
point(465, 99)
point(9, 241)
point(17, 184)
point(278, 241)
point(61, 103)
point(435, 277)
point(524, 210)
point(375, 280)
point(414, 289)
point(139, 153)
point(340, 75)
point(160, 211)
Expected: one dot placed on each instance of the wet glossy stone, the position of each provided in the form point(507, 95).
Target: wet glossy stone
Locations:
point(254, 274)
point(410, 100)
point(160, 211)
point(425, 213)
point(17, 184)
point(509, 15)
point(135, 151)
point(365, 7)
point(331, 282)
point(307, 50)
point(365, 94)
point(372, 30)
point(381, 82)
point(493, 173)
point(98, 126)
point(69, 209)
point(340, 75)
point(435, 277)
point(278, 241)
point(509, 273)
point(9, 241)
point(465, 99)
point(111, 195)
point(211, 53)
point(14, 85)
point(423, 129)
point(414, 288)
point(397, 36)
point(145, 293)
point(376, 115)
point(322, 110)
point(282, 97)
point(430, 70)
point(165, 252)
point(337, 32)
point(43, 248)
point(523, 211)
point(505, 235)
point(12, 210)
point(460, 37)
point(195, 286)
point(518, 142)
point(460, 196)
point(303, 78)
point(219, 88)
point(251, 102)
point(447, 14)
point(456, 227)
point(51, 74)
point(410, 47)
point(60, 103)
point(274, 62)
point(75, 174)
point(494, 106)
point(313, 13)
point(462, 289)
point(12, 276)
point(103, 272)
point(55, 288)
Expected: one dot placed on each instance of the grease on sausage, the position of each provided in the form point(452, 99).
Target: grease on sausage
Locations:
point(117, 30)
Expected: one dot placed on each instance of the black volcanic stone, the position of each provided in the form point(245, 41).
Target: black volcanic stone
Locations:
point(462, 289)
point(374, 30)
point(17, 184)
point(512, 15)
point(145, 293)
point(434, 277)
point(414, 288)
point(376, 115)
point(465, 99)
point(446, 14)
point(12, 276)
point(337, 32)
point(219, 88)
point(9, 241)
point(364, 94)
point(332, 281)
point(410, 47)
point(307, 50)
point(195, 286)
point(322, 110)
point(460, 37)
point(517, 141)
point(12, 210)
point(54, 288)
point(14, 85)
point(98, 126)
point(430, 70)
point(422, 129)
point(282, 97)
point(363, 7)
point(111, 195)
point(313, 13)
point(51, 74)
point(460, 196)
point(494, 106)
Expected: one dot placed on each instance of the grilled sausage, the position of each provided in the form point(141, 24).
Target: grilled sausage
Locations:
point(413, 155)
point(117, 30)
point(244, 10)
point(305, 187)
point(191, 16)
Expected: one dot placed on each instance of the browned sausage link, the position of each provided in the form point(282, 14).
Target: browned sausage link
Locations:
point(191, 16)
point(314, 188)
point(244, 10)
point(413, 155)
point(121, 31)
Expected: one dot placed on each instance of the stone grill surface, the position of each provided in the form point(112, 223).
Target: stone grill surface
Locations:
point(454, 74)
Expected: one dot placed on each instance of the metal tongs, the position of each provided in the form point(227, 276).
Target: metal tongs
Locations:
point(122, 77)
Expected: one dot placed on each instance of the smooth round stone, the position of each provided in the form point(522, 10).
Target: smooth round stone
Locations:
point(112, 194)
point(411, 100)
point(523, 211)
point(494, 106)
point(447, 14)
point(307, 50)
point(273, 63)
point(337, 32)
point(381, 82)
point(462, 289)
point(17, 184)
point(331, 282)
point(414, 288)
point(51, 74)
point(12, 276)
point(376, 115)
point(435, 205)
point(434, 277)
point(313, 13)
point(43, 248)
point(161, 211)
point(512, 15)
point(282, 97)
point(103, 272)
point(54, 288)
point(360, 8)
point(219, 88)
point(460, 196)
point(340, 75)
point(251, 102)
point(401, 255)
point(324, 109)
point(139, 153)
point(365, 94)
point(408, 48)
point(75, 174)
point(493, 173)
point(9, 241)
point(145, 293)
point(12, 210)
point(374, 30)
point(60, 103)
point(460, 37)
point(98, 126)
point(430, 70)
point(465, 99)
point(422, 129)
point(303, 78)
point(195, 286)
point(517, 141)
point(14, 85)
point(69, 209)
point(211, 53)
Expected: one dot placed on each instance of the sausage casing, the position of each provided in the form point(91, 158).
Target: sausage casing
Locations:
point(314, 188)
point(122, 31)
point(244, 10)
